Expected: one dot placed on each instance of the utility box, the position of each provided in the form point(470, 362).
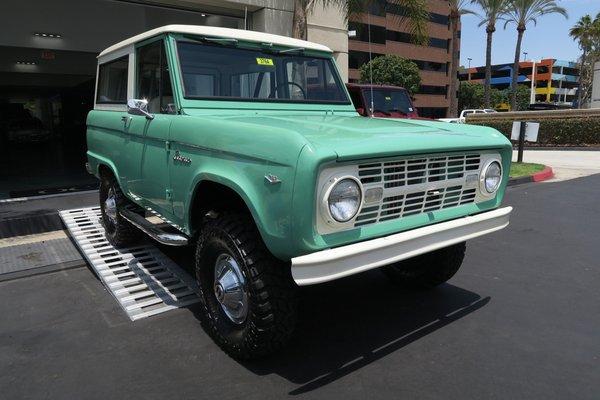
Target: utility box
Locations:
point(595, 103)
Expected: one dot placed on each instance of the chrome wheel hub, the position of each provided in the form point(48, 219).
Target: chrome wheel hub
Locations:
point(230, 288)
point(110, 206)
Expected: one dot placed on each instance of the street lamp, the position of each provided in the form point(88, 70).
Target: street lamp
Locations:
point(469, 59)
point(525, 54)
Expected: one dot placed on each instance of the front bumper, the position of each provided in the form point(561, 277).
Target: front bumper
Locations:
point(338, 262)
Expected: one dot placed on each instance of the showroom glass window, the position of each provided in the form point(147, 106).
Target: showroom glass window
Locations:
point(153, 82)
point(112, 82)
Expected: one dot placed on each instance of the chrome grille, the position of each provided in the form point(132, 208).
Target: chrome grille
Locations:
point(416, 185)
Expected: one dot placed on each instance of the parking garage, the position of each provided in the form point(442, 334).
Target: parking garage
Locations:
point(47, 79)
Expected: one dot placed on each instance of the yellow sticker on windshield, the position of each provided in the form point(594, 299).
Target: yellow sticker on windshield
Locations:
point(264, 61)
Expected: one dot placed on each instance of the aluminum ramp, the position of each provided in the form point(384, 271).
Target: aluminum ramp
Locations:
point(141, 278)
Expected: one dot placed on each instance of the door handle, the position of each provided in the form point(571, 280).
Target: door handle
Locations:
point(125, 118)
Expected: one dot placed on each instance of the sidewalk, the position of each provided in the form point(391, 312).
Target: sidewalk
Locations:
point(566, 164)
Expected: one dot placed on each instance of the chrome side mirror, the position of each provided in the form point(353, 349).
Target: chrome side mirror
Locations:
point(138, 107)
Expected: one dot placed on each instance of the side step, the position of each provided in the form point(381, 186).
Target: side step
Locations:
point(166, 238)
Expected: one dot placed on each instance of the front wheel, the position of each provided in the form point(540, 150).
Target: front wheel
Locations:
point(428, 270)
point(119, 232)
point(248, 296)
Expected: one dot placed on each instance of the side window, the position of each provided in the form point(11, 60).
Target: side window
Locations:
point(112, 82)
point(153, 80)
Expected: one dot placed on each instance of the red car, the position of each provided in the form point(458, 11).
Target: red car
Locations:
point(388, 101)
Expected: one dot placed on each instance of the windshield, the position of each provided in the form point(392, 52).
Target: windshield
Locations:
point(389, 101)
point(229, 73)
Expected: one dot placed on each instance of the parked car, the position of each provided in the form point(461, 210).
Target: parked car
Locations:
point(24, 128)
point(387, 101)
point(17, 125)
point(249, 145)
point(548, 106)
point(463, 114)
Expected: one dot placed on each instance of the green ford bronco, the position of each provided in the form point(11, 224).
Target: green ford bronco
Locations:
point(247, 145)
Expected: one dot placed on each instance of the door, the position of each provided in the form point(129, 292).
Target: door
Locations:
point(153, 83)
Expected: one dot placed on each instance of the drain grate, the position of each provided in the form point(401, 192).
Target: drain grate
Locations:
point(142, 279)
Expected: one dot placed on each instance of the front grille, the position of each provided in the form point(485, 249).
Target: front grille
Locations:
point(416, 185)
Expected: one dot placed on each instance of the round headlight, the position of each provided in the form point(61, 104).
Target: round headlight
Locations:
point(344, 200)
point(492, 177)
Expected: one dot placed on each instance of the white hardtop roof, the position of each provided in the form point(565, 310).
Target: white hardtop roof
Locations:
point(251, 36)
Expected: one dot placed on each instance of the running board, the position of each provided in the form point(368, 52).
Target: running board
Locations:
point(162, 237)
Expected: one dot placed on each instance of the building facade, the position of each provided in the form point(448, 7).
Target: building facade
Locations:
point(555, 81)
point(48, 55)
point(389, 35)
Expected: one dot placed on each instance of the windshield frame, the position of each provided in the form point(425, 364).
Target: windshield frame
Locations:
point(249, 46)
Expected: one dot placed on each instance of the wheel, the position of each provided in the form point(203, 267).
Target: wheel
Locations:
point(119, 231)
point(428, 270)
point(248, 296)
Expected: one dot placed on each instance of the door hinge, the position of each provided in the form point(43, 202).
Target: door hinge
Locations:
point(169, 194)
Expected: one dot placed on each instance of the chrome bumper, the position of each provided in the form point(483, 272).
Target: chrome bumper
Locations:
point(338, 262)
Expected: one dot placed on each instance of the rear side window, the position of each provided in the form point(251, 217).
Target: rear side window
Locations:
point(112, 82)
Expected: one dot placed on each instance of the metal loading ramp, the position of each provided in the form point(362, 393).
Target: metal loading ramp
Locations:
point(141, 278)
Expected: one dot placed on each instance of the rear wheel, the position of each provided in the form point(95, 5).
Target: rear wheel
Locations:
point(428, 270)
point(118, 231)
point(248, 296)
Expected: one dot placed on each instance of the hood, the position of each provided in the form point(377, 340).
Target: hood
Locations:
point(353, 137)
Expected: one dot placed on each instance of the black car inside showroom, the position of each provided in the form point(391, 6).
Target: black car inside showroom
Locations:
point(47, 80)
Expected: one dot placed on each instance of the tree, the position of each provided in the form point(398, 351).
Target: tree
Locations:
point(492, 11)
point(471, 95)
point(392, 70)
point(584, 31)
point(415, 15)
point(521, 13)
point(457, 9)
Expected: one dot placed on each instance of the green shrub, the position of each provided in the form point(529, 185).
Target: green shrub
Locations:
point(577, 131)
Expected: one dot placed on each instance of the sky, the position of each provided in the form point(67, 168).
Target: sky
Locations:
point(549, 39)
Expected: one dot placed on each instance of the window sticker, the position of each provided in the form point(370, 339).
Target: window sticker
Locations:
point(264, 61)
point(388, 98)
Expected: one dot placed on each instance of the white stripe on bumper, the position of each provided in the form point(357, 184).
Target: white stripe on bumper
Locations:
point(330, 264)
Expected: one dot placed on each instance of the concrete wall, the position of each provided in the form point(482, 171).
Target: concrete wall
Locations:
point(328, 26)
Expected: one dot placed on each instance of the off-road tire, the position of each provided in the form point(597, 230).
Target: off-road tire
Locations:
point(122, 232)
point(271, 292)
point(428, 270)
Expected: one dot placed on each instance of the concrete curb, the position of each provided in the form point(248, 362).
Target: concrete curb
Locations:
point(543, 175)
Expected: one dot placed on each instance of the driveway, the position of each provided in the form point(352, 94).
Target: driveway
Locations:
point(566, 164)
point(520, 320)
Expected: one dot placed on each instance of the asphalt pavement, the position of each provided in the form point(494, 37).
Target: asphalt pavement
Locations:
point(521, 319)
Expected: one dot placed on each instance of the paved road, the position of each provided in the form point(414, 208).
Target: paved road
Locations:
point(566, 164)
point(520, 320)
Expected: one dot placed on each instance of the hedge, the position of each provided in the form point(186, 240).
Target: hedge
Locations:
point(557, 128)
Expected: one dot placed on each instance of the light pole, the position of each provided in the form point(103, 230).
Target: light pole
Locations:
point(525, 54)
point(469, 59)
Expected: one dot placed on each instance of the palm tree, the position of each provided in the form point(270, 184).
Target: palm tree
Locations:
point(584, 31)
point(522, 12)
point(493, 10)
point(415, 15)
point(457, 9)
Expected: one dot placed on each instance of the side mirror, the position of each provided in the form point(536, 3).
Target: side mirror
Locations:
point(138, 107)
